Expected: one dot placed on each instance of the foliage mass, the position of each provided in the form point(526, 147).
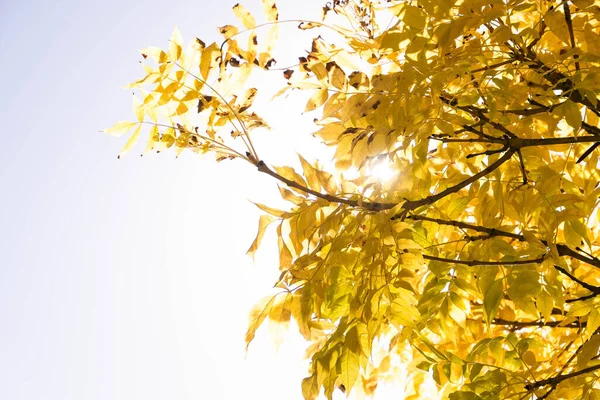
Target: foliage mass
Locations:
point(477, 264)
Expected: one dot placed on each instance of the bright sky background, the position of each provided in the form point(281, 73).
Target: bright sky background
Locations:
point(123, 279)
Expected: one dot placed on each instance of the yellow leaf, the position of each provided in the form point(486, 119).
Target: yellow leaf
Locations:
point(414, 17)
point(572, 113)
point(285, 256)
point(580, 309)
point(445, 127)
point(349, 369)
point(327, 182)
point(593, 321)
point(407, 244)
point(302, 309)
point(175, 45)
point(290, 174)
point(244, 16)
point(529, 358)
point(558, 25)
point(545, 303)
point(157, 54)
point(501, 34)
point(533, 240)
point(153, 139)
point(290, 196)
point(263, 223)
point(273, 211)
point(181, 109)
point(310, 387)
point(228, 31)
point(138, 109)
point(248, 99)
point(258, 313)
point(191, 95)
point(208, 59)
point(279, 318)
point(310, 173)
point(132, 141)
point(491, 299)
point(337, 76)
point(358, 80)
point(588, 351)
point(316, 100)
point(120, 128)
point(583, 4)
point(270, 10)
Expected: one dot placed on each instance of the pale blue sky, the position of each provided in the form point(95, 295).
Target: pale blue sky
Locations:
point(121, 279)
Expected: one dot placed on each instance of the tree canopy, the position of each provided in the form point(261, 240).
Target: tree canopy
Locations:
point(476, 264)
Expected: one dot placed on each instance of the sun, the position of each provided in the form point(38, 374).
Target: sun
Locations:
point(382, 171)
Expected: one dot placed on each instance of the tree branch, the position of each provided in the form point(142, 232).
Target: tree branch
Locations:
point(522, 164)
point(567, 12)
point(563, 249)
point(559, 378)
point(559, 80)
point(473, 263)
point(374, 206)
point(413, 204)
point(516, 143)
point(526, 324)
point(465, 225)
point(591, 288)
point(493, 66)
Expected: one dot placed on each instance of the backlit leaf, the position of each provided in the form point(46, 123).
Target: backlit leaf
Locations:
point(263, 223)
point(349, 369)
point(175, 45)
point(414, 17)
point(244, 16)
point(131, 141)
point(120, 128)
point(491, 300)
point(316, 100)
